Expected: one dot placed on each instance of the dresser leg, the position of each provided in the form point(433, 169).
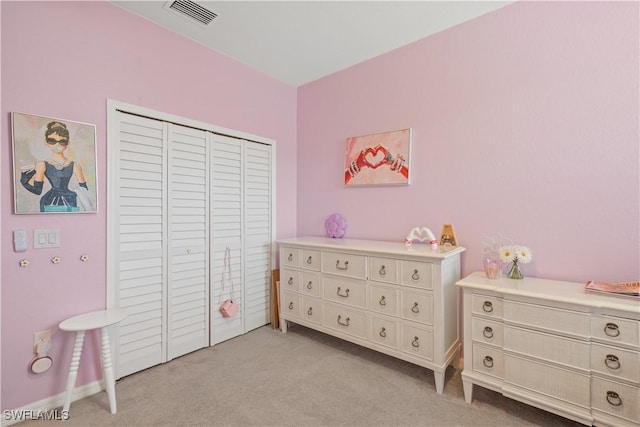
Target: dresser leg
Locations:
point(283, 325)
point(468, 390)
point(439, 379)
point(73, 370)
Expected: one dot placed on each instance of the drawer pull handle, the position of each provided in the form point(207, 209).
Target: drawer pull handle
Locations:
point(415, 342)
point(382, 271)
point(488, 361)
point(488, 332)
point(614, 398)
point(290, 257)
point(346, 321)
point(309, 285)
point(612, 361)
point(310, 311)
point(383, 332)
point(487, 307)
point(291, 305)
point(611, 330)
point(309, 260)
point(290, 281)
point(415, 308)
point(346, 265)
point(383, 301)
point(346, 292)
point(415, 275)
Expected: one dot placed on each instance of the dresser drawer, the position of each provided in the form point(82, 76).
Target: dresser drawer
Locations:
point(384, 300)
point(487, 331)
point(290, 304)
point(416, 273)
point(486, 305)
point(312, 310)
point(345, 320)
point(615, 362)
point(384, 332)
point(310, 260)
point(384, 270)
point(344, 264)
point(345, 291)
point(488, 360)
point(310, 284)
point(289, 257)
point(616, 399)
point(548, 347)
point(616, 330)
point(289, 280)
point(559, 383)
point(417, 307)
point(417, 341)
point(548, 318)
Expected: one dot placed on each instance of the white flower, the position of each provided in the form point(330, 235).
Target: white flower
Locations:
point(512, 253)
point(524, 254)
point(506, 253)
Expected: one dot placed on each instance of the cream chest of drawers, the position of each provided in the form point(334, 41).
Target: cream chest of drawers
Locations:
point(552, 345)
point(399, 300)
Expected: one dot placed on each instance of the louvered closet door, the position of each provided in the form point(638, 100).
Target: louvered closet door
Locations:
point(257, 234)
point(226, 231)
point(140, 267)
point(188, 237)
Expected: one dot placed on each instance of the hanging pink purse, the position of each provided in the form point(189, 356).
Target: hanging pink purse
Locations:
point(229, 307)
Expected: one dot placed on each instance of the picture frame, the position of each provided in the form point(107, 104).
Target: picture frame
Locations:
point(54, 165)
point(378, 159)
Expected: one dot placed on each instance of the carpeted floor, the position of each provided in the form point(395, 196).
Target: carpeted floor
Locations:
point(302, 378)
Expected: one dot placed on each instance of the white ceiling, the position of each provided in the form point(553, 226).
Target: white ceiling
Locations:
point(301, 41)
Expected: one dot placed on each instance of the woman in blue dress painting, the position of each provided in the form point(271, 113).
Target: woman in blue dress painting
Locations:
point(58, 170)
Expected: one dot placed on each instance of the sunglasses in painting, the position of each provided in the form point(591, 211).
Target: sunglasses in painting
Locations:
point(52, 141)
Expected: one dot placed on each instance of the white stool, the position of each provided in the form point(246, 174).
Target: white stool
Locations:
point(86, 322)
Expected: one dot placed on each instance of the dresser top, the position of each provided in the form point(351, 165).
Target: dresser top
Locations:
point(550, 290)
point(373, 246)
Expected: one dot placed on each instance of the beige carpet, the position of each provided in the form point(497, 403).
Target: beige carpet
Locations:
point(302, 378)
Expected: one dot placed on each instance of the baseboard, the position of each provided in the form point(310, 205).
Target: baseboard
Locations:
point(43, 409)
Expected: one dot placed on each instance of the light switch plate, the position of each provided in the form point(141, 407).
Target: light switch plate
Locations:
point(49, 238)
point(20, 240)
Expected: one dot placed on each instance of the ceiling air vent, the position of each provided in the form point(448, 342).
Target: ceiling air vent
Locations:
point(192, 10)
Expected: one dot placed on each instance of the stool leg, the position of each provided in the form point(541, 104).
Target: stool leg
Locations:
point(73, 369)
point(109, 381)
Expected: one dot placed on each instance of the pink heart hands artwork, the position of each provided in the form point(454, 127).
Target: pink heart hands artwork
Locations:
point(373, 158)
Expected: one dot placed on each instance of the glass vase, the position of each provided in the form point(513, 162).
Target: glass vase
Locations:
point(514, 271)
point(491, 267)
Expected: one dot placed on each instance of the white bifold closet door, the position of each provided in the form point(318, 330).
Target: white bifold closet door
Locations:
point(179, 197)
point(241, 221)
point(162, 257)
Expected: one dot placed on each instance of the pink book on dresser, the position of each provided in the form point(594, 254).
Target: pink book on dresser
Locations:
point(627, 289)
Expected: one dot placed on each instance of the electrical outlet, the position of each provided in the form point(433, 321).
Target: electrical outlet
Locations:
point(42, 337)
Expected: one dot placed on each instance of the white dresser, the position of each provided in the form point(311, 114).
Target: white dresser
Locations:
point(397, 299)
point(552, 345)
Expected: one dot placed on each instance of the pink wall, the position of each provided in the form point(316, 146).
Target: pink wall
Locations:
point(64, 59)
point(525, 123)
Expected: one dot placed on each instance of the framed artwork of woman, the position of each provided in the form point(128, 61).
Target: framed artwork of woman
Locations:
point(54, 165)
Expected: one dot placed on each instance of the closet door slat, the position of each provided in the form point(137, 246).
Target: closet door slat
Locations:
point(188, 238)
point(226, 231)
point(257, 234)
point(140, 284)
